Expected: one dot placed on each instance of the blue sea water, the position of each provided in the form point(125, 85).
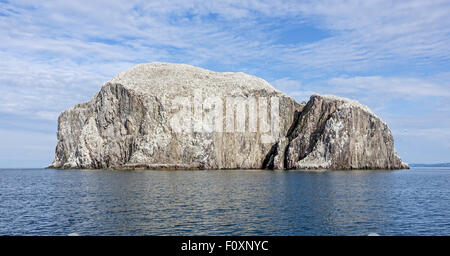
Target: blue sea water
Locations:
point(231, 202)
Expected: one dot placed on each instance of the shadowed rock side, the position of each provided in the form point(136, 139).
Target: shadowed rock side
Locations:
point(337, 133)
point(129, 124)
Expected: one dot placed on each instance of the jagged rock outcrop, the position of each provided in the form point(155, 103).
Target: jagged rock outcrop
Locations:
point(338, 133)
point(176, 116)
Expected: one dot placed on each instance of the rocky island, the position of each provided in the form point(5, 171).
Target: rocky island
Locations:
point(176, 116)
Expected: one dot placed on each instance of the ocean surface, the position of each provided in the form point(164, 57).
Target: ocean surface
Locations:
point(231, 202)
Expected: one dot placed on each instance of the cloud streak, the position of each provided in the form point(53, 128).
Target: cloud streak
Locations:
point(55, 54)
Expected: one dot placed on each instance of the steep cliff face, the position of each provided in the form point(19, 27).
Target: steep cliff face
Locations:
point(337, 133)
point(176, 116)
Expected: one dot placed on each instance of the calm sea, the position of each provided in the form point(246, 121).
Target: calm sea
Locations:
point(232, 202)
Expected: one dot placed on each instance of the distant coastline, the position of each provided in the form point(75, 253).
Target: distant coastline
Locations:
point(430, 165)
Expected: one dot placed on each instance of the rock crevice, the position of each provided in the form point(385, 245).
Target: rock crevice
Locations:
point(338, 133)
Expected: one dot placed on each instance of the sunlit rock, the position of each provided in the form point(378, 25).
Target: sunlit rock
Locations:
point(176, 116)
point(338, 133)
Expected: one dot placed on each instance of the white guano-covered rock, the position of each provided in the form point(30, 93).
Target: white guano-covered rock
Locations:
point(338, 133)
point(176, 116)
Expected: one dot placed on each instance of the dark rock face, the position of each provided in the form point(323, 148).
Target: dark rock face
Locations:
point(175, 116)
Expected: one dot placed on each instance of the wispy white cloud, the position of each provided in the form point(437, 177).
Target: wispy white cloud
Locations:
point(370, 34)
point(54, 54)
point(93, 39)
point(391, 87)
point(374, 90)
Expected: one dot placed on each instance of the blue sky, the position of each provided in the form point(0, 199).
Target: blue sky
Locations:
point(393, 56)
